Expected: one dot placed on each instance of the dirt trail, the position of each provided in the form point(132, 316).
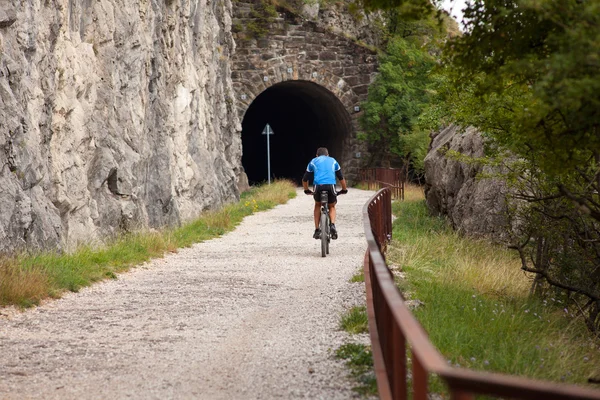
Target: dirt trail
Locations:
point(251, 315)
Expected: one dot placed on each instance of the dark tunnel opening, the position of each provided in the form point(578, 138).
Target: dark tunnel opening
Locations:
point(303, 116)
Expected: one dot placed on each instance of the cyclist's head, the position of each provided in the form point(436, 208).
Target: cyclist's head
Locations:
point(322, 151)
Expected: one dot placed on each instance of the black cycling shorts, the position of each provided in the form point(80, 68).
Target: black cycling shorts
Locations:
point(331, 193)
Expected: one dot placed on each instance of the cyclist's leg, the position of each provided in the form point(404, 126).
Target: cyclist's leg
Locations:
point(332, 227)
point(317, 214)
point(332, 196)
point(332, 212)
point(317, 209)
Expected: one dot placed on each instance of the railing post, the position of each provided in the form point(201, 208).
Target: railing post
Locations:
point(388, 215)
point(419, 379)
point(386, 339)
point(399, 388)
point(459, 395)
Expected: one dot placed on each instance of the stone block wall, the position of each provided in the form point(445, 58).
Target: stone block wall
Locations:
point(297, 48)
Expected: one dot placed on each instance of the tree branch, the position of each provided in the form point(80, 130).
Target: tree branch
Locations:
point(553, 282)
point(535, 199)
point(581, 202)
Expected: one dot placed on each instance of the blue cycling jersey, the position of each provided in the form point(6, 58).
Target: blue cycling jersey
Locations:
point(324, 168)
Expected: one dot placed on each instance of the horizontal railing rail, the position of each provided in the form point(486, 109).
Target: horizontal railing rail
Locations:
point(394, 330)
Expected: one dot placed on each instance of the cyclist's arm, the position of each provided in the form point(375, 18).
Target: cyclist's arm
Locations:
point(306, 178)
point(340, 176)
point(343, 183)
point(305, 184)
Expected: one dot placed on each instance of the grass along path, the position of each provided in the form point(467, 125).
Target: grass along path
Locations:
point(475, 305)
point(358, 356)
point(28, 278)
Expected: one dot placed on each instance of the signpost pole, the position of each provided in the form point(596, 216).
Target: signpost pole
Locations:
point(269, 153)
point(268, 131)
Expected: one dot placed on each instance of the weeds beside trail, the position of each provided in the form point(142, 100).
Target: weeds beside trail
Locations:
point(476, 305)
point(358, 356)
point(27, 279)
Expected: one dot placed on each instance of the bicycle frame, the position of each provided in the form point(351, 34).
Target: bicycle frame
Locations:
point(324, 225)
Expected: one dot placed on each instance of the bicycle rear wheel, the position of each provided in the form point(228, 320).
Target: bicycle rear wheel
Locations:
point(324, 235)
point(328, 234)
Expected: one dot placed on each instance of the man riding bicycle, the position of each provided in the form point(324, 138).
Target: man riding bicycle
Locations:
point(324, 169)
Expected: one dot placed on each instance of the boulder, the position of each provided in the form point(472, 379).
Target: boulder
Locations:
point(474, 205)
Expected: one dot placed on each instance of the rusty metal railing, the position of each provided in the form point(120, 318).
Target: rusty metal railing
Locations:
point(394, 330)
point(378, 178)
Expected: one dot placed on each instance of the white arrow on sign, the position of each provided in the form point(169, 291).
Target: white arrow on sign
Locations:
point(268, 131)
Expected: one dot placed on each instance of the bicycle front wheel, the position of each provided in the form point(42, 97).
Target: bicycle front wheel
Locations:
point(324, 235)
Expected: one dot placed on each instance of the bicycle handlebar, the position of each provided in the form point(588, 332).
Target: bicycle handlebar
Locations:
point(309, 192)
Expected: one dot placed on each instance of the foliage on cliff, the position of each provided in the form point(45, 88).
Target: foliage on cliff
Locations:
point(262, 15)
point(396, 98)
point(400, 92)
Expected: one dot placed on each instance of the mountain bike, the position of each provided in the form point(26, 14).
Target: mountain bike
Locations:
point(324, 223)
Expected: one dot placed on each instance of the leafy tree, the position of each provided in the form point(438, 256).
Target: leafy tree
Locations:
point(400, 92)
point(542, 60)
point(527, 73)
point(555, 240)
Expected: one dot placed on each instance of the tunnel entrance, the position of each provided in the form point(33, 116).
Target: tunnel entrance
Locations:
point(303, 116)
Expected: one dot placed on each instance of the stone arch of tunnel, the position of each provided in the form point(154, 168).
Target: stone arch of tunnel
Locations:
point(303, 116)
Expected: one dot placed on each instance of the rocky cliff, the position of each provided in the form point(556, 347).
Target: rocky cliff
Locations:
point(114, 115)
point(454, 189)
point(344, 20)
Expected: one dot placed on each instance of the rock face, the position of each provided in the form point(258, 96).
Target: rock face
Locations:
point(358, 25)
point(474, 206)
point(113, 115)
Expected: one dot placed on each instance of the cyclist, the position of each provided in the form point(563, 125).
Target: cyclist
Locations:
point(323, 170)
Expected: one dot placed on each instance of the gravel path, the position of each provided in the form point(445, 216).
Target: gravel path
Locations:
point(251, 315)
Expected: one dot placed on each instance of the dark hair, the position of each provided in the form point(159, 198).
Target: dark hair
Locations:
point(322, 151)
